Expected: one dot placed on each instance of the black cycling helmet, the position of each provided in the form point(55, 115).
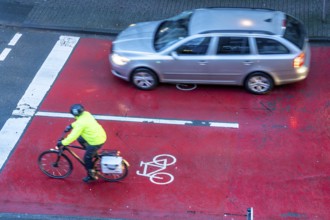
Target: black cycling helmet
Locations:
point(77, 109)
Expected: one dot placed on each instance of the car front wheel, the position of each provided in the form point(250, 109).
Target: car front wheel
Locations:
point(259, 83)
point(144, 79)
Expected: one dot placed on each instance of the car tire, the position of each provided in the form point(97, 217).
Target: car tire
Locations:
point(144, 79)
point(259, 83)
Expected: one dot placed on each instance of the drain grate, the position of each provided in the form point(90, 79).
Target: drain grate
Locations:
point(186, 87)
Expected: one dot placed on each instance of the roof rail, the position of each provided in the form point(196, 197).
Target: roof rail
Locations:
point(266, 9)
point(237, 31)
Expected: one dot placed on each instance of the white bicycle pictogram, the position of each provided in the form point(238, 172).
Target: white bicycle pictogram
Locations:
point(161, 162)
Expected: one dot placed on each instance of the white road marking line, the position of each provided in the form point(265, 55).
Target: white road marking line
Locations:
point(44, 78)
point(224, 125)
point(9, 135)
point(15, 39)
point(145, 120)
point(26, 107)
point(4, 54)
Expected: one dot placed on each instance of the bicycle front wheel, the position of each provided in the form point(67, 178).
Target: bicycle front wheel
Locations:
point(112, 177)
point(55, 166)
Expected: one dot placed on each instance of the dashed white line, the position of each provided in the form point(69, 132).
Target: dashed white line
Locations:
point(15, 39)
point(12, 42)
point(4, 54)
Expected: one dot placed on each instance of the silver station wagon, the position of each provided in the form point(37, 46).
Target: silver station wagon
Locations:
point(254, 48)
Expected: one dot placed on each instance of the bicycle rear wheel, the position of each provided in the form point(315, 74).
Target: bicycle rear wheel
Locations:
point(55, 166)
point(111, 177)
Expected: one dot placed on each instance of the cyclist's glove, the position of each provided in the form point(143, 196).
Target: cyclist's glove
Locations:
point(59, 144)
point(68, 128)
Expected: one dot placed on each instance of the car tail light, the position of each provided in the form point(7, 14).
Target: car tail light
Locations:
point(299, 61)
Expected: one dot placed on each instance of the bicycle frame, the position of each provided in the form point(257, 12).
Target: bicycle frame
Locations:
point(67, 148)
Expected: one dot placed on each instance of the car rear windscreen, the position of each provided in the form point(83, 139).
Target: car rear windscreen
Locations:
point(295, 32)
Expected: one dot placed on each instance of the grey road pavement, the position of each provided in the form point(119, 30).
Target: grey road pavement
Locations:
point(111, 16)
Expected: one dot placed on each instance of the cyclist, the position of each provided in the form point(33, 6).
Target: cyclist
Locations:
point(89, 133)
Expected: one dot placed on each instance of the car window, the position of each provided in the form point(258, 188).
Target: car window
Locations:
point(270, 46)
point(196, 46)
point(171, 31)
point(295, 31)
point(233, 45)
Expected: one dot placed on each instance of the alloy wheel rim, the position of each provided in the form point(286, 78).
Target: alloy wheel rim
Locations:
point(259, 84)
point(144, 80)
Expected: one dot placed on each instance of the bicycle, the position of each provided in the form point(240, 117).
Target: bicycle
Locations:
point(108, 164)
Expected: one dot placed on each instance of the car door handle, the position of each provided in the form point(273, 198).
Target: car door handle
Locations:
point(248, 62)
point(202, 63)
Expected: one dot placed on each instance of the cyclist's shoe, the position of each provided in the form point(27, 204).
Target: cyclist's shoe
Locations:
point(91, 176)
point(89, 179)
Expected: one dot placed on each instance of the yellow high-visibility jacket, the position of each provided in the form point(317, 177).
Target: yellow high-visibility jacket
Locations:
point(87, 127)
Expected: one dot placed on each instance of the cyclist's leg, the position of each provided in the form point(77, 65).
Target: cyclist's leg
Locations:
point(91, 151)
point(82, 142)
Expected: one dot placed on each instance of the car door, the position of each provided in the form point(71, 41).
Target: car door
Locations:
point(232, 61)
point(275, 57)
point(187, 62)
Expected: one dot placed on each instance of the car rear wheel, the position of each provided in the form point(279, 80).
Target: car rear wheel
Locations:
point(144, 79)
point(259, 83)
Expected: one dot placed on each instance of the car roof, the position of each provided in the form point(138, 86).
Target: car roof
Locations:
point(206, 20)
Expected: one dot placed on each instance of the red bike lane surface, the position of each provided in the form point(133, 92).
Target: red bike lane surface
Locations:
point(26, 189)
point(277, 161)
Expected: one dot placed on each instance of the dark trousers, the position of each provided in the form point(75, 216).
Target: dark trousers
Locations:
point(91, 151)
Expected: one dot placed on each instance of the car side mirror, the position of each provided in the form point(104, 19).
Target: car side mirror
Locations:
point(174, 54)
